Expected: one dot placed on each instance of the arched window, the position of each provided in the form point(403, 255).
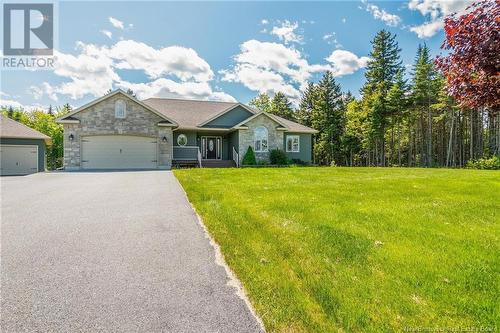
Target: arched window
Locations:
point(260, 139)
point(120, 109)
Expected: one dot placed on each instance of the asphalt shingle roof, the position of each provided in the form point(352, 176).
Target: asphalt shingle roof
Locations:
point(12, 129)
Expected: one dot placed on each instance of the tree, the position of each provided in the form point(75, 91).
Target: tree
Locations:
point(423, 95)
point(10, 112)
point(262, 102)
point(49, 110)
point(306, 105)
point(471, 67)
point(328, 117)
point(380, 75)
point(397, 104)
point(281, 106)
point(131, 93)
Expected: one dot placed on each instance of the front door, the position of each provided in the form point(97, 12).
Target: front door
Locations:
point(211, 147)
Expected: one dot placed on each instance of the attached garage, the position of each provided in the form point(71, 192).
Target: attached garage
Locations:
point(22, 149)
point(119, 152)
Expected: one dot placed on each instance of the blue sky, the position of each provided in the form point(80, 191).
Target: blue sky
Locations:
point(218, 50)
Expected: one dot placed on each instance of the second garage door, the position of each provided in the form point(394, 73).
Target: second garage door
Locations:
point(118, 152)
point(18, 159)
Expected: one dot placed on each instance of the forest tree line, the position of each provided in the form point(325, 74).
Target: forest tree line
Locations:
point(403, 118)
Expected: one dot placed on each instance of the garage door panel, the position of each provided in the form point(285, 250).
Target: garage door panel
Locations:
point(119, 152)
point(18, 159)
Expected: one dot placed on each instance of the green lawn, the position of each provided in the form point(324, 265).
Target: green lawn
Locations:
point(358, 249)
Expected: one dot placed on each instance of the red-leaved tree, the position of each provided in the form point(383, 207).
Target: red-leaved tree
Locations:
point(472, 67)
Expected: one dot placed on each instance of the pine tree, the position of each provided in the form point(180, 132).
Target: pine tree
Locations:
point(423, 95)
point(306, 106)
point(262, 102)
point(380, 75)
point(397, 104)
point(281, 106)
point(49, 111)
point(10, 112)
point(328, 117)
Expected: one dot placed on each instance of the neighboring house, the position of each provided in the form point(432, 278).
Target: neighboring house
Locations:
point(117, 131)
point(22, 149)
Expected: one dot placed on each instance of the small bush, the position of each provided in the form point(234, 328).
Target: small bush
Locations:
point(492, 163)
point(278, 157)
point(298, 161)
point(249, 158)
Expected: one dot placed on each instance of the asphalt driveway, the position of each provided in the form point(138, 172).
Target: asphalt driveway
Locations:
point(110, 251)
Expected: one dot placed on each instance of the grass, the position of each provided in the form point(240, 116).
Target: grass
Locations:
point(358, 249)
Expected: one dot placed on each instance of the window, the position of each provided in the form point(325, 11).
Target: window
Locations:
point(260, 139)
point(120, 109)
point(293, 143)
point(182, 140)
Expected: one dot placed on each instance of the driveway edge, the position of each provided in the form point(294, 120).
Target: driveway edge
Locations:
point(233, 280)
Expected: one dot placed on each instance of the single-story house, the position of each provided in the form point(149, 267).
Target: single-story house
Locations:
point(22, 149)
point(118, 131)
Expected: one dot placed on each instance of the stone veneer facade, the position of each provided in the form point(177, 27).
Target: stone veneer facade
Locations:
point(100, 119)
point(274, 139)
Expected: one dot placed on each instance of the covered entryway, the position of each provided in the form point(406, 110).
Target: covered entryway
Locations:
point(18, 159)
point(119, 152)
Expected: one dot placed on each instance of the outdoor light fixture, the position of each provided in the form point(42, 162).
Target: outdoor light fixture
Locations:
point(164, 139)
point(71, 137)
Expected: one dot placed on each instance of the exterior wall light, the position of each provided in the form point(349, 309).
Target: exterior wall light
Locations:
point(71, 137)
point(164, 139)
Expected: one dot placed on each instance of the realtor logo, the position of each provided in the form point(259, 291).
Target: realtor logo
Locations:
point(28, 29)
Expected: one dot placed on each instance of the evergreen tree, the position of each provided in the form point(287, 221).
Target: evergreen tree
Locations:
point(306, 106)
point(328, 117)
point(49, 111)
point(10, 112)
point(281, 106)
point(423, 95)
point(380, 75)
point(397, 103)
point(262, 102)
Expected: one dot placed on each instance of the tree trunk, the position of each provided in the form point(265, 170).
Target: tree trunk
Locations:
point(450, 142)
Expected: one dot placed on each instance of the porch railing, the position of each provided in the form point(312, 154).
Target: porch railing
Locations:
point(199, 157)
point(186, 153)
point(236, 158)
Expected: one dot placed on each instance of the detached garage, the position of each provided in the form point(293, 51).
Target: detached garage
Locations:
point(22, 149)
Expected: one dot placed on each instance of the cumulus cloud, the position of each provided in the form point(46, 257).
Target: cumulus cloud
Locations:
point(6, 103)
point(176, 72)
point(344, 62)
point(116, 23)
point(267, 67)
point(435, 11)
point(380, 14)
point(287, 32)
point(264, 21)
point(107, 33)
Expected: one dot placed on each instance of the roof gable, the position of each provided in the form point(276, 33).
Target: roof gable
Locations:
point(230, 117)
point(69, 117)
point(263, 114)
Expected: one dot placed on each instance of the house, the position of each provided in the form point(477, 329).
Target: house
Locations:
point(22, 149)
point(117, 131)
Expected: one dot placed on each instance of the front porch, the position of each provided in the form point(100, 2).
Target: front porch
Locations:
point(205, 149)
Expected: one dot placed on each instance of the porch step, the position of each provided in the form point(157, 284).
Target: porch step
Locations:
point(218, 164)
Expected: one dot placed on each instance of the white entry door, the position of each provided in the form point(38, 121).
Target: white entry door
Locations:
point(18, 160)
point(118, 152)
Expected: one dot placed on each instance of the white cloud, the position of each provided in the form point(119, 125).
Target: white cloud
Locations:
point(380, 14)
point(331, 39)
point(167, 88)
point(428, 29)
point(177, 72)
point(435, 11)
point(107, 33)
point(6, 103)
point(344, 62)
point(287, 33)
point(182, 62)
point(116, 23)
point(344, 20)
point(267, 67)
point(264, 21)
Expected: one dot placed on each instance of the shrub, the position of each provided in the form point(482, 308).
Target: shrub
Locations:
point(298, 161)
point(249, 158)
point(492, 163)
point(278, 157)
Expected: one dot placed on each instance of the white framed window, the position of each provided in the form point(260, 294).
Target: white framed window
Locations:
point(292, 143)
point(260, 139)
point(120, 109)
point(182, 140)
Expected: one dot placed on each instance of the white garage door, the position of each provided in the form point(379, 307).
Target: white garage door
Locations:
point(118, 152)
point(18, 160)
